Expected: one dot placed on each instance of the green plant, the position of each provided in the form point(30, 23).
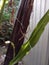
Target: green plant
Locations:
point(25, 48)
point(5, 26)
point(5, 31)
point(5, 11)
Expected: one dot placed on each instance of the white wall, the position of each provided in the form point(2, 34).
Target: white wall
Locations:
point(38, 55)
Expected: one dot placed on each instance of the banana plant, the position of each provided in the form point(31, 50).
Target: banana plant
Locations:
point(34, 38)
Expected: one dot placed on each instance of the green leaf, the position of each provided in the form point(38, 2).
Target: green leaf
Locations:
point(6, 16)
point(35, 36)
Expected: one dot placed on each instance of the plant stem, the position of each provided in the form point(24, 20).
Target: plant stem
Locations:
point(2, 10)
point(13, 49)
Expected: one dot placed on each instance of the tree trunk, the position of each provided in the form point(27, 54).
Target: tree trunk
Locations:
point(21, 24)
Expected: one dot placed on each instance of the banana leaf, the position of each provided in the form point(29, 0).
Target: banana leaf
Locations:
point(34, 38)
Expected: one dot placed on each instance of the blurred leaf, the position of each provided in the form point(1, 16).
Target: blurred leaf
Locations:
point(34, 38)
point(6, 16)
